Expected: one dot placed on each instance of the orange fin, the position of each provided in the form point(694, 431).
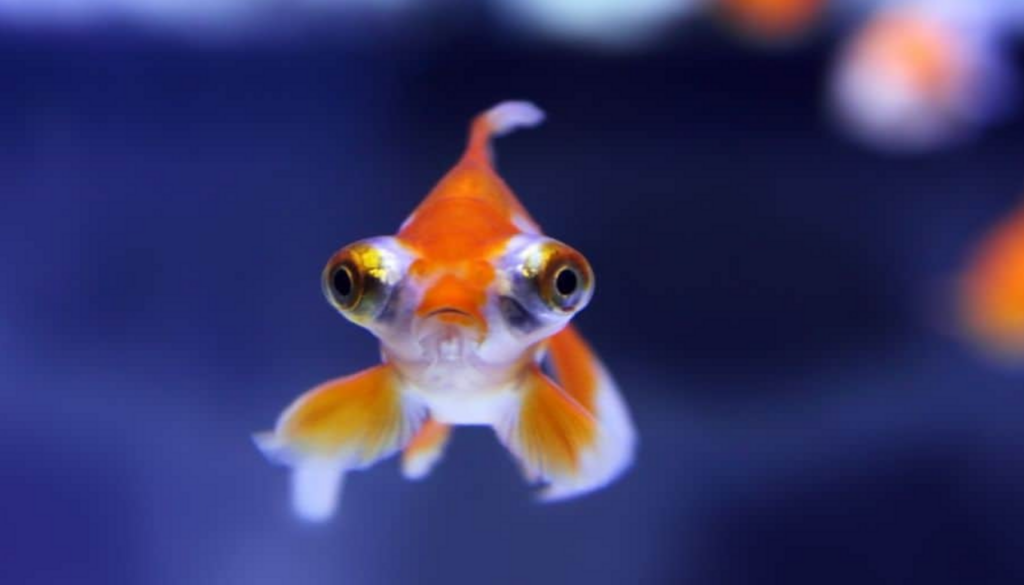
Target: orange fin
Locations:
point(585, 378)
point(581, 373)
point(343, 424)
point(425, 450)
point(559, 441)
point(576, 366)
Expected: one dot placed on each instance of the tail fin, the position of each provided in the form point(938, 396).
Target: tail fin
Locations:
point(498, 121)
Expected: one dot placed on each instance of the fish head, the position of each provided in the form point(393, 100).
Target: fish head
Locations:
point(487, 310)
point(469, 277)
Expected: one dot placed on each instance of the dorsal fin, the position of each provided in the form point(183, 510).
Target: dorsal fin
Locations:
point(501, 119)
point(474, 182)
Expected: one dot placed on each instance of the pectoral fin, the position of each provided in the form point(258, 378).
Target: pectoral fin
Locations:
point(584, 378)
point(559, 441)
point(343, 424)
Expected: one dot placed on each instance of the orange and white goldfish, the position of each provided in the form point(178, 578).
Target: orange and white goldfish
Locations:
point(923, 75)
point(992, 290)
point(468, 299)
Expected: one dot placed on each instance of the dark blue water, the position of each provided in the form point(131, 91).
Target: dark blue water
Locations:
point(770, 297)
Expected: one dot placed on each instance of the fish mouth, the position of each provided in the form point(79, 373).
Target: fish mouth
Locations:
point(448, 311)
point(453, 316)
point(448, 334)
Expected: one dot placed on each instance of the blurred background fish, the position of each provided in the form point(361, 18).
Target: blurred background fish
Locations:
point(922, 75)
point(992, 290)
point(173, 174)
point(772, 20)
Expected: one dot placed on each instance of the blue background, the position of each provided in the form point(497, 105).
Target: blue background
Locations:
point(772, 298)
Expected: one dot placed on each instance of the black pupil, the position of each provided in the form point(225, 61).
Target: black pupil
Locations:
point(566, 282)
point(343, 282)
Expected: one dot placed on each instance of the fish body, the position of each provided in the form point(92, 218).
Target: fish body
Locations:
point(468, 300)
point(923, 75)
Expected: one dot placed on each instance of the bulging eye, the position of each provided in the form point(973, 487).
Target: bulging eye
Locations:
point(344, 292)
point(567, 282)
point(561, 276)
point(360, 278)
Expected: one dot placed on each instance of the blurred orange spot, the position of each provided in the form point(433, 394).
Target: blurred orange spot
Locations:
point(992, 288)
point(773, 19)
point(920, 51)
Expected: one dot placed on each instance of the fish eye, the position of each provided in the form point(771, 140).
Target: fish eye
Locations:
point(343, 287)
point(566, 281)
point(562, 287)
point(359, 280)
point(560, 275)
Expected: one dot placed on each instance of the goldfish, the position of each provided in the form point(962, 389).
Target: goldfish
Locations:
point(924, 75)
point(991, 290)
point(469, 301)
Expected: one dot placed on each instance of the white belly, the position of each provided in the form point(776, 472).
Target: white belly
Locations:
point(462, 383)
point(459, 394)
point(484, 408)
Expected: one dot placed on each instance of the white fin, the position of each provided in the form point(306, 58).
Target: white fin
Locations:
point(316, 488)
point(343, 424)
point(316, 482)
point(512, 115)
